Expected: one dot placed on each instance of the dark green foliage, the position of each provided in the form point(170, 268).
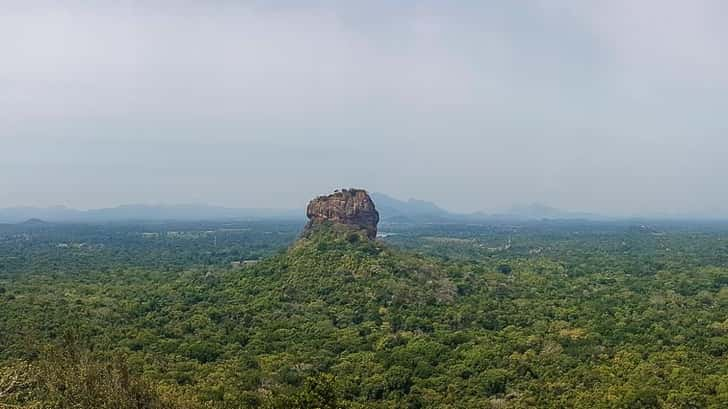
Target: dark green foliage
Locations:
point(318, 392)
point(505, 269)
point(203, 352)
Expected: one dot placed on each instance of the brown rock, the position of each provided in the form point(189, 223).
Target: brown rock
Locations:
point(352, 207)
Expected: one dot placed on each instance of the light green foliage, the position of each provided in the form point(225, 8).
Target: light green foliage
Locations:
point(69, 379)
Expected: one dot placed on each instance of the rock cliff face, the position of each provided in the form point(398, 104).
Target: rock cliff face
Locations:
point(352, 207)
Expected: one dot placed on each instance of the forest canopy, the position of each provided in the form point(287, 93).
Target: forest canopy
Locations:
point(600, 316)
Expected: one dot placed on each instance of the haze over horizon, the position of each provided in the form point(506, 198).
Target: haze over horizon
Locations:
point(606, 107)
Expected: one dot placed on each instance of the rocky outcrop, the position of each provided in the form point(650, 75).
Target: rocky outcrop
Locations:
point(353, 208)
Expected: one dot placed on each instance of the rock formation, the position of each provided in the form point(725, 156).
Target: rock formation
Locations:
point(353, 208)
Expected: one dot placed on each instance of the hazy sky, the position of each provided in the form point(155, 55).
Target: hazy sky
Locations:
point(616, 106)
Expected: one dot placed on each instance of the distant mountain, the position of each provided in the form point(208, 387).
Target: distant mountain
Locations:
point(34, 222)
point(391, 210)
point(418, 211)
point(538, 211)
point(22, 214)
point(398, 211)
point(141, 213)
point(185, 212)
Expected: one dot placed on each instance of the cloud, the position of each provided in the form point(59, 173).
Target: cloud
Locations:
point(251, 64)
point(663, 39)
point(604, 106)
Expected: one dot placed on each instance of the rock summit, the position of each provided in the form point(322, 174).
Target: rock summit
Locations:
point(349, 207)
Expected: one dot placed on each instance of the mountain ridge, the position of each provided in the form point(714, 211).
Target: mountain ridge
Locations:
point(141, 212)
point(392, 210)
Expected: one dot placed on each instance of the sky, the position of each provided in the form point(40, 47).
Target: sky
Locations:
point(616, 107)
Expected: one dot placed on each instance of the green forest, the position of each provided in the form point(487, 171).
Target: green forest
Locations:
point(539, 315)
